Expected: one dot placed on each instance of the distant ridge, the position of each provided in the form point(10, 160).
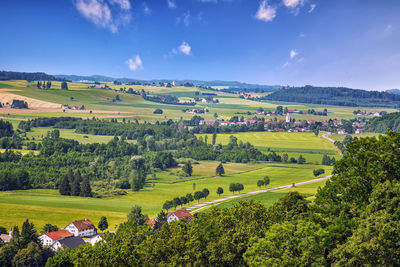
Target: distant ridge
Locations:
point(230, 84)
point(393, 91)
point(339, 96)
point(29, 76)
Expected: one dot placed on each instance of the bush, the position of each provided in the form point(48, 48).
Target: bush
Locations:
point(158, 111)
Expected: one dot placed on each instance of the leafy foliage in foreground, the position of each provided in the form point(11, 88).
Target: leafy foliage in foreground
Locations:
point(354, 221)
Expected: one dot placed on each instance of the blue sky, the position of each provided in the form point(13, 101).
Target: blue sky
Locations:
point(354, 43)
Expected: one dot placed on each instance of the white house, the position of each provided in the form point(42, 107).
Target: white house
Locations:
point(6, 238)
point(51, 239)
point(83, 228)
point(182, 214)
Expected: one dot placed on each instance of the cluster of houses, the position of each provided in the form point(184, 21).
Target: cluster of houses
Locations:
point(72, 236)
point(64, 107)
point(291, 125)
point(83, 231)
point(205, 100)
point(365, 113)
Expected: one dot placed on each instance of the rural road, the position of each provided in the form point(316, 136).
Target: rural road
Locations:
point(205, 204)
point(325, 136)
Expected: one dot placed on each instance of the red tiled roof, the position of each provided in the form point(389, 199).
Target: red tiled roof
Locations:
point(83, 225)
point(182, 214)
point(60, 234)
point(5, 237)
point(151, 223)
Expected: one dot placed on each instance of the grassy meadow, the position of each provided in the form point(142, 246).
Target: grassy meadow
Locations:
point(43, 205)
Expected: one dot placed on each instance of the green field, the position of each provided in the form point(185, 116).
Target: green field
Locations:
point(133, 106)
point(269, 198)
point(44, 206)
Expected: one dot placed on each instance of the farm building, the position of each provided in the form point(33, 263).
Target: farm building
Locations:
point(83, 228)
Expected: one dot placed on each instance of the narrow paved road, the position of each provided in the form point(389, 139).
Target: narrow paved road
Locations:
point(204, 204)
point(325, 136)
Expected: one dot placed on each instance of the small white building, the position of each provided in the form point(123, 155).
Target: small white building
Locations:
point(51, 239)
point(83, 228)
point(182, 214)
point(6, 237)
point(287, 117)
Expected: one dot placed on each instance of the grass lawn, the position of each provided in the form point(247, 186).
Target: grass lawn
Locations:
point(39, 132)
point(47, 206)
point(269, 198)
point(280, 141)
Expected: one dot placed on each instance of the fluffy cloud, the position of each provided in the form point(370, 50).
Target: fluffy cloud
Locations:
point(265, 12)
point(293, 53)
point(171, 3)
point(100, 12)
point(135, 64)
point(312, 7)
point(292, 3)
point(185, 48)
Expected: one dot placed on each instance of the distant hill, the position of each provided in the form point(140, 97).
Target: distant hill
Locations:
point(29, 76)
point(339, 96)
point(393, 91)
point(380, 124)
point(227, 84)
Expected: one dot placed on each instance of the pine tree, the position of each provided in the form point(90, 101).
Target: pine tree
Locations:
point(86, 190)
point(28, 232)
point(76, 184)
point(214, 138)
point(64, 187)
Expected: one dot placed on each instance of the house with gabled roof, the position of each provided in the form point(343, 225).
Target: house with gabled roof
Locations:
point(179, 215)
point(83, 228)
point(50, 239)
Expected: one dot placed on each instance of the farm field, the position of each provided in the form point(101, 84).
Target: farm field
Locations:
point(100, 102)
point(269, 198)
point(42, 205)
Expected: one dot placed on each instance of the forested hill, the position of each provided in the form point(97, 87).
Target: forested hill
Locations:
point(380, 124)
point(339, 96)
point(29, 76)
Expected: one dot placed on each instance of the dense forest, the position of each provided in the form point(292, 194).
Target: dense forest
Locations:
point(381, 124)
point(354, 221)
point(28, 76)
point(339, 96)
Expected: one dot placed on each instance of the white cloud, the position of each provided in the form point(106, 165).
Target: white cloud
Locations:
point(124, 4)
point(135, 64)
point(171, 3)
point(292, 3)
point(312, 7)
point(265, 12)
point(293, 53)
point(100, 13)
point(185, 48)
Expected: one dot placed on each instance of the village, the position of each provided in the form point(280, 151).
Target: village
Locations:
point(291, 125)
point(81, 232)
